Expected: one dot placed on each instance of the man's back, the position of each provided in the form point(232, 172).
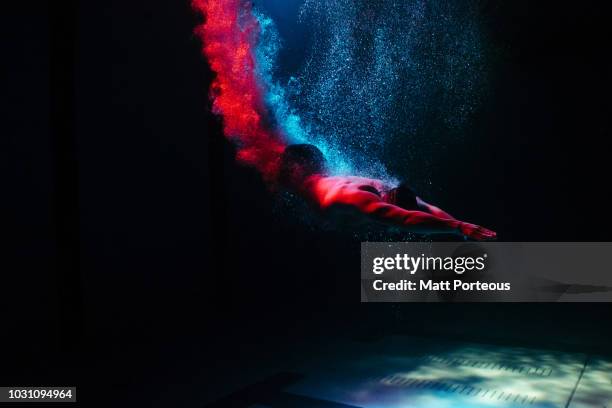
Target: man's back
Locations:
point(345, 190)
point(364, 200)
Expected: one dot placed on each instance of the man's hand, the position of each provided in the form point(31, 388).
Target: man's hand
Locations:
point(476, 232)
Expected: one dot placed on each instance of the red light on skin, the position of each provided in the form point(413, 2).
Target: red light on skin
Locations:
point(228, 34)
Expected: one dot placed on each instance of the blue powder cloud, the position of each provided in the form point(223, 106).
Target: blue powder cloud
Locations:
point(378, 77)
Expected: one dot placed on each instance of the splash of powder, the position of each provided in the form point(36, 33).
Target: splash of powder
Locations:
point(382, 79)
point(286, 118)
point(229, 34)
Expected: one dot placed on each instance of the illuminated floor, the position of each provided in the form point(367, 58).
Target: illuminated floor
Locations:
point(409, 372)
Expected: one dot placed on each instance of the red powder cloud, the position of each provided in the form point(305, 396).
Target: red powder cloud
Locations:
point(228, 35)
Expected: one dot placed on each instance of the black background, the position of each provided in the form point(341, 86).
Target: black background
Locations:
point(134, 240)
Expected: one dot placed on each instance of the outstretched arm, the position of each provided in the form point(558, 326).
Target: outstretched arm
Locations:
point(371, 205)
point(432, 209)
point(415, 221)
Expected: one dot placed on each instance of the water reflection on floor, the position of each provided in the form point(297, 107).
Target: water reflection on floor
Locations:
point(409, 372)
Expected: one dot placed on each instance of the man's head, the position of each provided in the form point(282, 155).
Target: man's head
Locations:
point(298, 162)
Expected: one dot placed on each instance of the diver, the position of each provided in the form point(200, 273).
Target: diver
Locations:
point(303, 170)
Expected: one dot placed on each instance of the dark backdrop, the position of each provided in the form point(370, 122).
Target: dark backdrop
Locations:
point(134, 236)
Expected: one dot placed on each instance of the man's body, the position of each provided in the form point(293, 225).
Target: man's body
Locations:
point(303, 169)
